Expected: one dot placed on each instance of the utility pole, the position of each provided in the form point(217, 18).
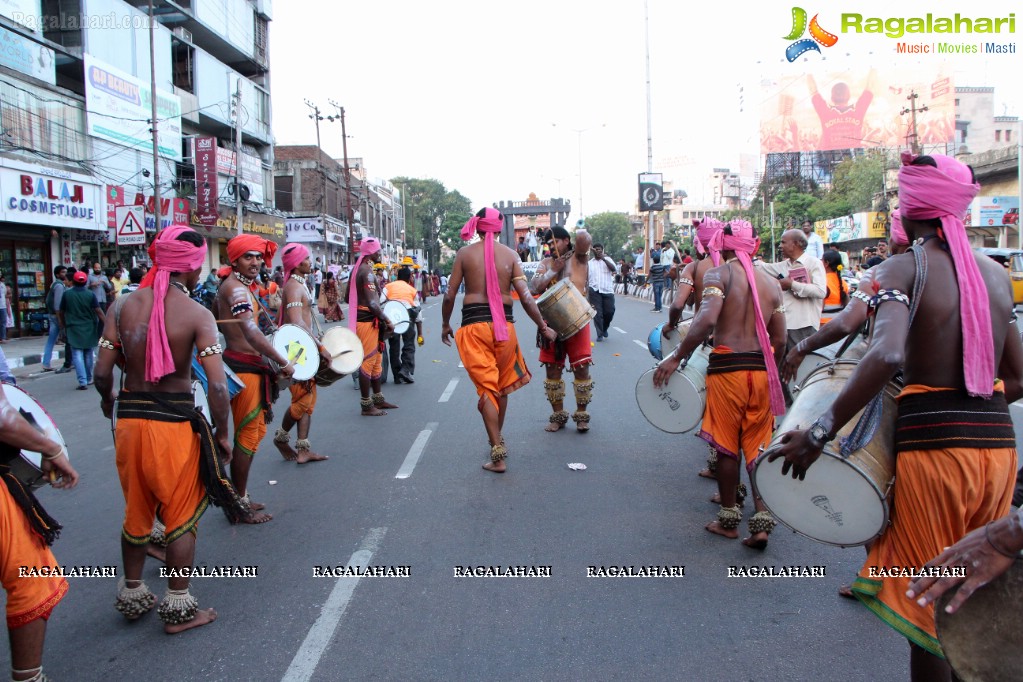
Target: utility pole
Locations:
point(348, 173)
point(649, 136)
point(152, 101)
point(912, 110)
point(239, 214)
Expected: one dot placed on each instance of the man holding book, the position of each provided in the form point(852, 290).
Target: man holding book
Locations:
point(804, 287)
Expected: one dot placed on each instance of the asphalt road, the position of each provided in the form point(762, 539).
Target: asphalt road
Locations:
point(406, 490)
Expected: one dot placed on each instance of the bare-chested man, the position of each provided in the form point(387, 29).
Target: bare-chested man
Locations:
point(742, 308)
point(237, 310)
point(165, 459)
point(569, 263)
point(486, 340)
point(952, 475)
point(366, 318)
point(297, 309)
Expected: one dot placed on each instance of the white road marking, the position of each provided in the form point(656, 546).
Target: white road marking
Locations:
point(303, 665)
point(446, 395)
point(416, 451)
point(619, 330)
point(641, 344)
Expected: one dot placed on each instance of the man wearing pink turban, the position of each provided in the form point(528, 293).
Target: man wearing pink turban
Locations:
point(366, 318)
point(238, 307)
point(944, 316)
point(486, 340)
point(297, 309)
point(742, 308)
point(166, 451)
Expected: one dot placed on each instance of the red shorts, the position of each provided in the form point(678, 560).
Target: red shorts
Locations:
point(576, 347)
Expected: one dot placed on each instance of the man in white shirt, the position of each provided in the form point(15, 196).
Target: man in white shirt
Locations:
point(804, 287)
point(532, 244)
point(601, 289)
point(814, 245)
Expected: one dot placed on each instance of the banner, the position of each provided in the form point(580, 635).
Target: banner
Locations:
point(993, 212)
point(856, 109)
point(206, 205)
point(651, 192)
point(27, 56)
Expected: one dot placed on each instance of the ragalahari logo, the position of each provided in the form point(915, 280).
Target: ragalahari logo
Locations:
point(817, 35)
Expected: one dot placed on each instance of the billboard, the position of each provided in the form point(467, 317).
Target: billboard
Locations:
point(993, 212)
point(856, 109)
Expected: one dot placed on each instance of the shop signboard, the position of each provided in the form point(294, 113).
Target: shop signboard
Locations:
point(204, 154)
point(50, 197)
point(993, 211)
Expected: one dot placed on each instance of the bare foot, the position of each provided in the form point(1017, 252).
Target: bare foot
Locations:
point(310, 456)
point(756, 541)
point(256, 517)
point(373, 412)
point(287, 452)
point(707, 473)
point(386, 405)
point(716, 528)
point(496, 467)
point(157, 552)
point(552, 427)
point(582, 427)
point(716, 498)
point(256, 506)
point(846, 591)
point(202, 617)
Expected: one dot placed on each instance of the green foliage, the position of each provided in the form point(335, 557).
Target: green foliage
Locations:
point(610, 229)
point(855, 182)
point(431, 213)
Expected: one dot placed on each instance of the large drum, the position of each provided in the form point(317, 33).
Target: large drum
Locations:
point(981, 639)
point(235, 385)
point(27, 466)
point(823, 356)
point(842, 501)
point(661, 346)
point(346, 355)
point(300, 348)
point(676, 407)
point(397, 313)
point(565, 309)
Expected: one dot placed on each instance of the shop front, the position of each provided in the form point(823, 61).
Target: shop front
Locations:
point(325, 237)
point(264, 225)
point(39, 206)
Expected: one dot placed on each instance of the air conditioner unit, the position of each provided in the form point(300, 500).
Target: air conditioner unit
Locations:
point(183, 33)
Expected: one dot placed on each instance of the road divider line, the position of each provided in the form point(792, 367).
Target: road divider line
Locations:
point(641, 344)
point(446, 395)
point(308, 656)
point(416, 451)
point(619, 330)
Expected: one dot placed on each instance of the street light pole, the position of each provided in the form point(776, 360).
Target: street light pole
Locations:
point(348, 173)
point(579, 138)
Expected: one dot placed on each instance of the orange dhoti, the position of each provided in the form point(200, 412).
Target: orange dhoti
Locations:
point(497, 368)
point(303, 399)
point(28, 598)
point(738, 413)
point(373, 362)
point(247, 412)
point(158, 464)
point(940, 496)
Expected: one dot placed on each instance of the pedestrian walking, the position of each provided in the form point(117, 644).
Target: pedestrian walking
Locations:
point(79, 313)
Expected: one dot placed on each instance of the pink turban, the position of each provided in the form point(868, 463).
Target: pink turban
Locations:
point(945, 192)
point(291, 256)
point(490, 220)
point(367, 247)
point(170, 232)
point(898, 232)
point(744, 242)
point(705, 232)
point(170, 255)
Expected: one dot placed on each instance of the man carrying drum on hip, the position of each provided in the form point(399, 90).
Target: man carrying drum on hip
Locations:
point(237, 308)
point(742, 308)
point(944, 315)
point(573, 265)
point(486, 341)
point(366, 318)
point(26, 531)
point(297, 309)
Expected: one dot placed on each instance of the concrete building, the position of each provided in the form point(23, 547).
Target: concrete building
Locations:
point(977, 126)
point(309, 186)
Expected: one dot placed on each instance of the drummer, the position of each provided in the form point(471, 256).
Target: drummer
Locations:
point(690, 287)
point(743, 388)
point(366, 318)
point(26, 531)
point(236, 309)
point(951, 477)
point(297, 309)
point(569, 263)
point(401, 347)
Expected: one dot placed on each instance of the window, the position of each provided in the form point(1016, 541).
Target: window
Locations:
point(1008, 136)
point(259, 48)
point(183, 56)
point(998, 136)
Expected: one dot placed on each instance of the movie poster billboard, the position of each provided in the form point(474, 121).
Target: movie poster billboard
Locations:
point(856, 109)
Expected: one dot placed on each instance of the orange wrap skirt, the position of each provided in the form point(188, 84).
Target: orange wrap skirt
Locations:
point(373, 362)
point(247, 412)
point(496, 368)
point(738, 412)
point(158, 464)
point(27, 598)
point(303, 399)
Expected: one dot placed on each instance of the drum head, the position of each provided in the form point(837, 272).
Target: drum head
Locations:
point(836, 503)
point(299, 347)
point(345, 348)
point(673, 408)
point(28, 467)
point(202, 403)
point(659, 346)
point(981, 639)
point(397, 313)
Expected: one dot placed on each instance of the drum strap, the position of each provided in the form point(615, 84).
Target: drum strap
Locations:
point(180, 407)
point(41, 523)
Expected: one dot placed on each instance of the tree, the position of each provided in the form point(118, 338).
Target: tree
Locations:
point(856, 181)
point(431, 214)
point(610, 229)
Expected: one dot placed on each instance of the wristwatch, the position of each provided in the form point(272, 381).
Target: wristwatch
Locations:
point(819, 434)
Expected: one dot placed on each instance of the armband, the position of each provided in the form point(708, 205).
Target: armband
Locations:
point(686, 280)
point(295, 304)
point(713, 291)
point(885, 295)
point(862, 297)
point(241, 308)
point(780, 309)
point(215, 349)
point(522, 277)
point(109, 345)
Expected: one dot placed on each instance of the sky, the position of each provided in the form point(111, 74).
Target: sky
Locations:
point(497, 100)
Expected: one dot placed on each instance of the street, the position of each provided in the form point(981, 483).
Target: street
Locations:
point(407, 490)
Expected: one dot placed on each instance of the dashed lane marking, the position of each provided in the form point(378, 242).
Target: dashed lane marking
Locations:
point(446, 395)
point(416, 451)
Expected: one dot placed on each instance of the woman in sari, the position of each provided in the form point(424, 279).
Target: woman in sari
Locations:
point(329, 292)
